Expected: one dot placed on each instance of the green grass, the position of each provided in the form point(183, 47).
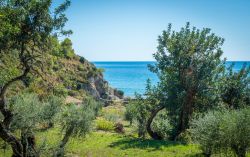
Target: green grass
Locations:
point(106, 144)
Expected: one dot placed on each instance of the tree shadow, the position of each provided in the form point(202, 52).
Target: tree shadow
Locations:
point(151, 145)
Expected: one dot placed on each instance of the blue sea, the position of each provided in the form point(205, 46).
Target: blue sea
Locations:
point(131, 77)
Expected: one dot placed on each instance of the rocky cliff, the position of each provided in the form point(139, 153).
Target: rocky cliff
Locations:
point(80, 77)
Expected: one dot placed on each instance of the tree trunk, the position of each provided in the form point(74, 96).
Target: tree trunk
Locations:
point(12, 141)
point(186, 113)
point(5, 133)
point(152, 133)
point(29, 145)
point(60, 151)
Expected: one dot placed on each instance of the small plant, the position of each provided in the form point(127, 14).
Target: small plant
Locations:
point(130, 113)
point(105, 125)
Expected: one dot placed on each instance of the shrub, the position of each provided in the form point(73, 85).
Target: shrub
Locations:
point(80, 67)
point(103, 124)
point(100, 70)
point(205, 131)
point(138, 110)
point(237, 131)
point(130, 113)
point(29, 114)
point(223, 130)
point(76, 121)
point(82, 59)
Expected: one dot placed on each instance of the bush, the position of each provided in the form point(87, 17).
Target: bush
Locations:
point(105, 125)
point(80, 67)
point(221, 131)
point(130, 113)
point(82, 59)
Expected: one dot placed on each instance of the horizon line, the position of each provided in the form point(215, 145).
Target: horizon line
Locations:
point(155, 61)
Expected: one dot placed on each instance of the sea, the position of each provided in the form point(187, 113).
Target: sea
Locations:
point(131, 77)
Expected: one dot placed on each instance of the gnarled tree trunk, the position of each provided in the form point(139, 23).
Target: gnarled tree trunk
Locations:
point(186, 113)
point(60, 151)
point(5, 133)
point(152, 133)
point(12, 140)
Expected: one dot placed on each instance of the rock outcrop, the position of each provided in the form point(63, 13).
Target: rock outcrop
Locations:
point(99, 88)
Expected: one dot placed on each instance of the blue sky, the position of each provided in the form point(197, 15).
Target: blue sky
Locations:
point(127, 30)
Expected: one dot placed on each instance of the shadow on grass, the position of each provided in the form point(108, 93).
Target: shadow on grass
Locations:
point(152, 145)
point(195, 155)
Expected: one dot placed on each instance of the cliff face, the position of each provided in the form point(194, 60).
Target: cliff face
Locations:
point(99, 88)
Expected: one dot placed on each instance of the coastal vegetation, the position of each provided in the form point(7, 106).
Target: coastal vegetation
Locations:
point(195, 83)
point(55, 103)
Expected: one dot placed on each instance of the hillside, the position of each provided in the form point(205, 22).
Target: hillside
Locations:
point(63, 73)
point(80, 77)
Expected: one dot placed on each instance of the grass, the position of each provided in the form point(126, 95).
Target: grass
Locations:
point(110, 144)
point(106, 144)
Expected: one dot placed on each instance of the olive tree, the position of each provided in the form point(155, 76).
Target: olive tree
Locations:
point(76, 121)
point(25, 31)
point(234, 87)
point(223, 130)
point(29, 116)
point(187, 63)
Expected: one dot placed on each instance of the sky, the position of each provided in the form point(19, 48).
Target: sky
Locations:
point(127, 30)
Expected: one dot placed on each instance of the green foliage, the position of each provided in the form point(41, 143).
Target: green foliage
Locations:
point(78, 118)
point(138, 110)
point(50, 109)
point(161, 124)
point(103, 124)
point(235, 87)
point(130, 113)
point(30, 112)
point(66, 48)
point(187, 64)
point(222, 131)
point(76, 121)
point(100, 70)
point(8, 67)
point(82, 60)
point(60, 90)
point(55, 47)
point(205, 131)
